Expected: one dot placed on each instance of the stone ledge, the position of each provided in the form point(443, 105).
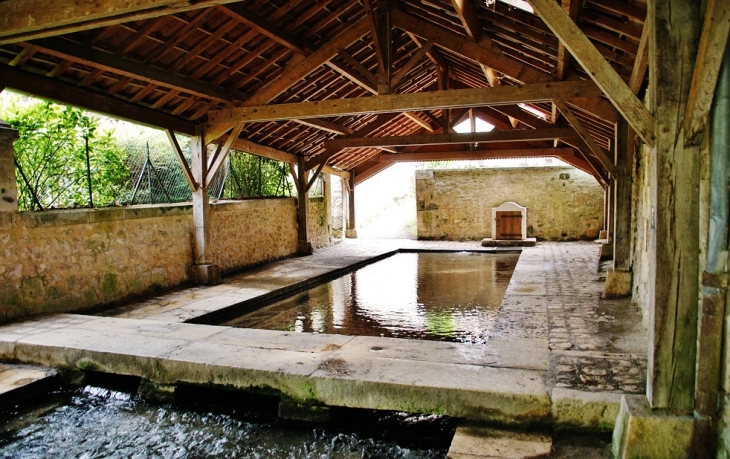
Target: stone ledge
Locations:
point(585, 410)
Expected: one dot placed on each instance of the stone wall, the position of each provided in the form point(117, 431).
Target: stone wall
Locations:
point(249, 232)
point(70, 260)
point(319, 224)
point(564, 203)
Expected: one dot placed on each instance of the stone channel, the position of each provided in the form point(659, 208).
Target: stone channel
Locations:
point(558, 352)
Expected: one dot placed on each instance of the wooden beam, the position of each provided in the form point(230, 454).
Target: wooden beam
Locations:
point(48, 88)
point(243, 15)
point(456, 98)
point(262, 150)
point(714, 38)
point(326, 126)
point(353, 76)
point(297, 71)
point(126, 67)
point(571, 7)
point(465, 47)
point(638, 71)
point(417, 119)
point(455, 138)
point(617, 91)
point(412, 62)
point(222, 153)
point(22, 20)
point(181, 159)
point(476, 154)
point(337, 172)
point(586, 137)
point(359, 68)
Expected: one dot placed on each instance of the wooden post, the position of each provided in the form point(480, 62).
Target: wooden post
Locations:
point(351, 227)
point(304, 245)
point(622, 197)
point(674, 240)
point(619, 279)
point(204, 270)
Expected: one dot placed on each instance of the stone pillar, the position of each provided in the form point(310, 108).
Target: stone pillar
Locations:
point(618, 280)
point(205, 271)
point(304, 245)
point(8, 184)
point(351, 226)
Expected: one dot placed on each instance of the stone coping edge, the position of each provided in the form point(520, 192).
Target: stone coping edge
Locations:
point(65, 217)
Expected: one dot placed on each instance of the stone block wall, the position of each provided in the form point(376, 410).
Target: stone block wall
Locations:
point(249, 232)
point(564, 203)
point(319, 223)
point(70, 260)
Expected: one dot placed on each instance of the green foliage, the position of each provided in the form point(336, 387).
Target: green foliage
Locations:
point(52, 153)
point(254, 176)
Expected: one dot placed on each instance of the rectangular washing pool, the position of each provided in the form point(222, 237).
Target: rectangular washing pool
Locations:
point(437, 296)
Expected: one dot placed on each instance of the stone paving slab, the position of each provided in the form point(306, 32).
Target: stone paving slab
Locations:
point(309, 367)
point(22, 381)
point(482, 442)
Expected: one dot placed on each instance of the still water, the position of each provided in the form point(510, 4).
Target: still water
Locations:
point(436, 296)
point(92, 421)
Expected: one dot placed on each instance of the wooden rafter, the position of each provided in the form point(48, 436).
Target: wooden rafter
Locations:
point(597, 68)
point(222, 154)
point(602, 155)
point(434, 100)
point(23, 20)
point(243, 15)
point(571, 7)
point(55, 90)
point(457, 155)
point(452, 138)
point(123, 66)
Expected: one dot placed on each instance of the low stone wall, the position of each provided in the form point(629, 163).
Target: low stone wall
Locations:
point(249, 232)
point(70, 260)
point(564, 203)
point(319, 223)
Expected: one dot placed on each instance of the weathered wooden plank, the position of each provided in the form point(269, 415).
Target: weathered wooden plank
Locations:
point(22, 20)
point(476, 154)
point(243, 15)
point(466, 47)
point(714, 38)
point(412, 62)
point(586, 137)
point(127, 67)
point(181, 159)
point(452, 138)
point(222, 154)
point(617, 91)
point(265, 151)
point(571, 7)
point(672, 284)
point(434, 100)
point(417, 119)
point(55, 90)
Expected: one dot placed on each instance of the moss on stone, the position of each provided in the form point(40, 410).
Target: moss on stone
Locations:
point(109, 284)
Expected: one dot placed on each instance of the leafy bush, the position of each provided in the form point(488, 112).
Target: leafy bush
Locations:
point(52, 155)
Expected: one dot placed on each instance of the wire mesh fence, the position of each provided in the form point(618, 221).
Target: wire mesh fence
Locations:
point(153, 175)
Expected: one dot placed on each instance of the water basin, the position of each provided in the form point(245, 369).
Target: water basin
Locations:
point(437, 296)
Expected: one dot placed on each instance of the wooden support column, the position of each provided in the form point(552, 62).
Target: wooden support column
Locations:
point(304, 245)
point(674, 239)
point(8, 184)
point(619, 279)
point(351, 227)
point(205, 271)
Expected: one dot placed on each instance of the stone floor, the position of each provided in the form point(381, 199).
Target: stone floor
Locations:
point(557, 349)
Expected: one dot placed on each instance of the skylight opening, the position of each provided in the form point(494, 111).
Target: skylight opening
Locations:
point(465, 126)
point(533, 110)
point(520, 4)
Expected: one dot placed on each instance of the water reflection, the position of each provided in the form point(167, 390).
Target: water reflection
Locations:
point(438, 296)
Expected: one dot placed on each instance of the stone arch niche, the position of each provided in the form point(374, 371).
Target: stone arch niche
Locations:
point(509, 222)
